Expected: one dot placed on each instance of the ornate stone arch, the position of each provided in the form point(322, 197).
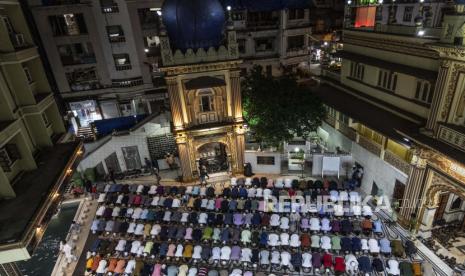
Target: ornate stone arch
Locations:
point(441, 184)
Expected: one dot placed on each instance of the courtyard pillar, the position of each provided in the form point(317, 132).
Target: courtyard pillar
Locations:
point(184, 158)
point(411, 202)
point(438, 96)
point(427, 222)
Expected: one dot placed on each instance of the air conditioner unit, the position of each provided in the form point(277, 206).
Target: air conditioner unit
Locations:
point(18, 40)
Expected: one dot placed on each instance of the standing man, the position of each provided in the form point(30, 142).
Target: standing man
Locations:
point(148, 164)
point(87, 185)
point(111, 175)
point(170, 161)
point(153, 169)
point(203, 174)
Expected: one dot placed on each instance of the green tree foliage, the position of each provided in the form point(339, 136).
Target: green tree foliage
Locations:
point(276, 109)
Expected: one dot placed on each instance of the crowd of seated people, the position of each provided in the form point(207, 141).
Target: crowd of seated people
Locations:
point(234, 230)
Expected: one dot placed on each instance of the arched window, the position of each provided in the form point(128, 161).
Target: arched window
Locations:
point(456, 203)
point(206, 101)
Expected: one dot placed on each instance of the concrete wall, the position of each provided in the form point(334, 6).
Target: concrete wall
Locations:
point(251, 157)
point(334, 139)
point(158, 126)
point(375, 169)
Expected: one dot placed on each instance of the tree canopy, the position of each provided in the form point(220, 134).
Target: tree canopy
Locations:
point(277, 108)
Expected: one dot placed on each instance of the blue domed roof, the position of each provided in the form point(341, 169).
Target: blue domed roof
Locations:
point(194, 23)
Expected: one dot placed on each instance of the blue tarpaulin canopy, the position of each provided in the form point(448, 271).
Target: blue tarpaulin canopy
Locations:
point(107, 126)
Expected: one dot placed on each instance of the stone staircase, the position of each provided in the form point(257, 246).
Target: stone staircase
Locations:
point(86, 133)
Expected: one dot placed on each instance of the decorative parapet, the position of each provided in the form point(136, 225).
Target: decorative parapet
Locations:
point(397, 162)
point(451, 136)
point(370, 145)
point(200, 56)
point(190, 56)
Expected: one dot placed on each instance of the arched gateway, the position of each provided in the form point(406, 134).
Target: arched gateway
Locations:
point(201, 67)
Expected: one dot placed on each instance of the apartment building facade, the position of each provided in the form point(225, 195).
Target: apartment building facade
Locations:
point(103, 54)
point(33, 165)
point(397, 105)
point(272, 35)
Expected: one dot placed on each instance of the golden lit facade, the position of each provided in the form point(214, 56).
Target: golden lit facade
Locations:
point(206, 107)
point(412, 76)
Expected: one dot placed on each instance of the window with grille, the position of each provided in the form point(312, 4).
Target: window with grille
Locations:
point(357, 70)
point(408, 12)
point(331, 111)
point(68, 24)
point(387, 80)
point(295, 43)
point(241, 46)
point(115, 33)
point(296, 14)
point(423, 91)
point(160, 145)
point(122, 62)
point(206, 101)
point(45, 118)
point(8, 25)
point(237, 16)
point(28, 75)
point(264, 44)
point(8, 156)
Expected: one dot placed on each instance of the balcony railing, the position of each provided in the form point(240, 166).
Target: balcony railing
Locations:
point(120, 83)
point(297, 51)
point(331, 120)
point(75, 60)
point(427, 32)
point(117, 39)
point(330, 74)
point(370, 145)
point(110, 9)
point(396, 161)
point(86, 85)
point(347, 131)
point(262, 24)
point(408, 30)
point(123, 67)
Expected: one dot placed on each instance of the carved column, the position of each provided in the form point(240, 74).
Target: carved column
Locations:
point(175, 102)
point(414, 188)
point(439, 91)
point(184, 158)
point(236, 100)
point(240, 149)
